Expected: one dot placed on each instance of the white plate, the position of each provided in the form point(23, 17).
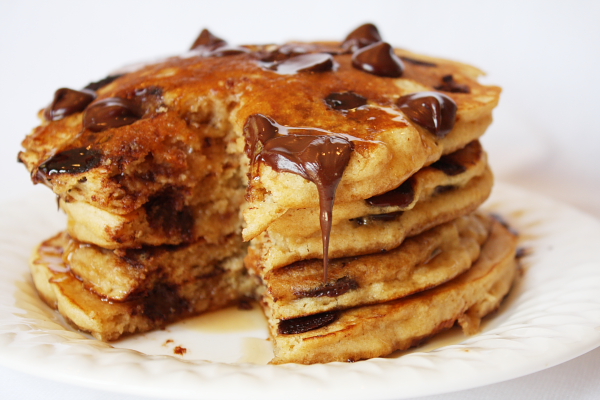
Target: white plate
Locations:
point(551, 316)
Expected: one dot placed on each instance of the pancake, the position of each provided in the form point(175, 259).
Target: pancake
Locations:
point(356, 237)
point(421, 262)
point(166, 302)
point(378, 330)
point(351, 151)
point(119, 275)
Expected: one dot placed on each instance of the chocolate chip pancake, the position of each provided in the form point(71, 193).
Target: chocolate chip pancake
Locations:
point(349, 150)
point(421, 262)
point(378, 330)
point(162, 302)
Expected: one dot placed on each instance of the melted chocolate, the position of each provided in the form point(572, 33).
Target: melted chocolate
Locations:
point(95, 86)
point(362, 36)
point(109, 113)
point(308, 323)
point(74, 161)
point(312, 62)
point(331, 289)
point(207, 40)
point(436, 112)
point(258, 130)
point(450, 85)
point(67, 102)
point(345, 101)
point(320, 159)
point(378, 59)
point(402, 196)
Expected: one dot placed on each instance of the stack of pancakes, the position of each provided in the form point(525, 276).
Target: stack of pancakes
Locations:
point(352, 169)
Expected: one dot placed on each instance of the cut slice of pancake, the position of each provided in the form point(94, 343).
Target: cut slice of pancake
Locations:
point(119, 275)
point(421, 262)
point(449, 172)
point(378, 330)
point(165, 218)
point(164, 303)
point(372, 234)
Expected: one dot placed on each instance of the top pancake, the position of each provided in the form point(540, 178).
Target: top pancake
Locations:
point(191, 115)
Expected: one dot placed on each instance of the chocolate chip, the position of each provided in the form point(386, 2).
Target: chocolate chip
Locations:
point(67, 102)
point(224, 51)
point(378, 59)
point(109, 113)
point(449, 166)
point(436, 112)
point(402, 196)
point(418, 62)
point(312, 62)
point(163, 303)
point(208, 40)
point(345, 100)
point(102, 82)
point(445, 189)
point(308, 323)
point(283, 52)
point(387, 217)
point(331, 289)
point(167, 212)
point(450, 85)
point(74, 161)
point(362, 36)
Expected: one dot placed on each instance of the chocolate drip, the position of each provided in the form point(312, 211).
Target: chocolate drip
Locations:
point(362, 36)
point(308, 323)
point(322, 160)
point(345, 101)
point(378, 59)
point(312, 62)
point(109, 113)
point(331, 289)
point(436, 112)
point(402, 196)
point(258, 130)
point(450, 85)
point(67, 102)
point(208, 40)
point(74, 161)
point(102, 82)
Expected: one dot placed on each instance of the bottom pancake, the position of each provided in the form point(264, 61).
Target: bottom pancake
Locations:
point(163, 304)
point(380, 329)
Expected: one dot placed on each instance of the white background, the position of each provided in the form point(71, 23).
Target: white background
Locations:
point(546, 134)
